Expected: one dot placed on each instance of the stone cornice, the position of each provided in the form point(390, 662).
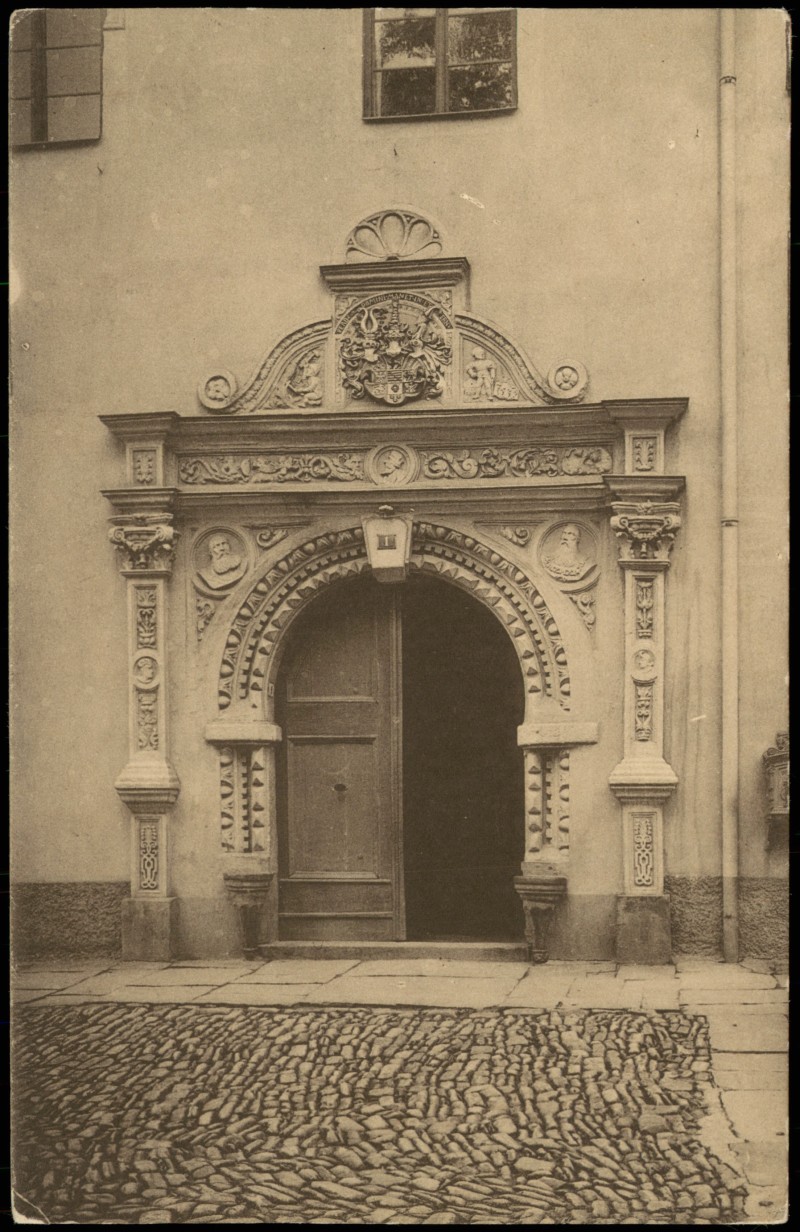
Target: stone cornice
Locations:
point(148, 425)
point(653, 413)
point(396, 275)
point(136, 502)
point(309, 428)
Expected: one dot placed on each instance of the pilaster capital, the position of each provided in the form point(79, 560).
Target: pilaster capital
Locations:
point(145, 542)
point(646, 529)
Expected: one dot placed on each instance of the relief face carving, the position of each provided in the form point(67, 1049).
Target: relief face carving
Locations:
point(394, 350)
point(391, 465)
point(145, 671)
point(562, 554)
point(220, 560)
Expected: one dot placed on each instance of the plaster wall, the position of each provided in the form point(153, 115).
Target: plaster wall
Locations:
point(233, 162)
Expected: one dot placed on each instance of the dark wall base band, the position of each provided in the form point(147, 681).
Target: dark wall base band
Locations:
point(80, 919)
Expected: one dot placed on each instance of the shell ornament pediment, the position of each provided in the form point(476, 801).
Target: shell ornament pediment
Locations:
point(395, 337)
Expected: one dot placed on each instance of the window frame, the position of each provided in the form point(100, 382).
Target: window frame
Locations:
point(441, 68)
point(40, 95)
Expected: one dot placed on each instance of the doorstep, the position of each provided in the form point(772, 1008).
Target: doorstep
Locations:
point(476, 951)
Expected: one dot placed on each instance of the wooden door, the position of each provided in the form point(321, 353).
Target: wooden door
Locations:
point(340, 871)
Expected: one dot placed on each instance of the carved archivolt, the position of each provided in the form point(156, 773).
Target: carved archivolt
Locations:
point(248, 659)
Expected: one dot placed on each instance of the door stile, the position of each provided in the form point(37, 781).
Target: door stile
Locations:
point(395, 611)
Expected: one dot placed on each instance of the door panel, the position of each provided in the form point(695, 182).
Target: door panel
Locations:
point(339, 866)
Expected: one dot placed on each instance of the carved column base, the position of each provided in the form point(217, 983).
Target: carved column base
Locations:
point(248, 893)
point(539, 896)
point(644, 931)
point(149, 928)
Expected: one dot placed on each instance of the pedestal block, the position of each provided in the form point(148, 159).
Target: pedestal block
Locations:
point(248, 892)
point(644, 936)
point(148, 926)
point(539, 896)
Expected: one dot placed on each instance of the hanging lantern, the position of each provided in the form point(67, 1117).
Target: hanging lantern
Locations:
point(387, 536)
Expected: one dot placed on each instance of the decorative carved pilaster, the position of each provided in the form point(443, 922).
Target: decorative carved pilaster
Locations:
point(145, 541)
point(646, 529)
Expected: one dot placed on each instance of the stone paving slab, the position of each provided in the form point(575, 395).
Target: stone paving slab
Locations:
point(605, 994)
point(255, 994)
point(765, 1162)
point(414, 990)
point(437, 967)
point(313, 1114)
point(298, 971)
point(20, 995)
point(758, 1032)
point(175, 976)
point(660, 973)
point(724, 975)
point(733, 996)
point(47, 979)
point(172, 994)
point(757, 1115)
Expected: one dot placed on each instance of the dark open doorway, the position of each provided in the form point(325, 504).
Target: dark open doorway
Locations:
point(462, 770)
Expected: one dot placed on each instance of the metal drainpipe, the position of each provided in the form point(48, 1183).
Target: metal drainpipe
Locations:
point(730, 492)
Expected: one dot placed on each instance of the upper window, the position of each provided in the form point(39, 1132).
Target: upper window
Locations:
point(56, 76)
point(439, 62)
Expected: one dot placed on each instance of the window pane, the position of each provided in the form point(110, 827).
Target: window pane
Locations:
point(73, 70)
point(74, 27)
point(21, 31)
point(409, 91)
point(73, 119)
point(384, 14)
point(404, 44)
point(21, 122)
point(484, 36)
point(483, 87)
point(21, 74)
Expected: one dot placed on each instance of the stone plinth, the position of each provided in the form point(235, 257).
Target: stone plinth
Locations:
point(539, 896)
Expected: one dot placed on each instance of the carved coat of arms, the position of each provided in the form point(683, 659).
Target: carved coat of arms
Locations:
point(394, 360)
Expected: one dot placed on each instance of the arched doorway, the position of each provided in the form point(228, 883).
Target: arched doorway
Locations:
point(400, 783)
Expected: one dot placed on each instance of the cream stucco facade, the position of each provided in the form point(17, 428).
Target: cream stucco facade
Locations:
point(233, 164)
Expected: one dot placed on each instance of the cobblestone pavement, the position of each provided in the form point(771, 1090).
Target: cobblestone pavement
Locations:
point(130, 1113)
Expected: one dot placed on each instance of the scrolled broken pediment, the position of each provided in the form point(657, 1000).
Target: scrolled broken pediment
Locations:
point(398, 335)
